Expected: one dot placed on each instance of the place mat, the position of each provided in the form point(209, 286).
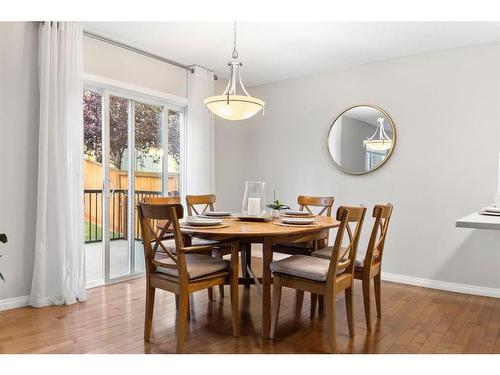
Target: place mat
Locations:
point(219, 226)
point(296, 225)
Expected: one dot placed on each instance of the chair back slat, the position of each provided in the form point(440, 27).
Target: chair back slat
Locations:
point(324, 203)
point(192, 201)
point(169, 214)
point(343, 257)
point(161, 200)
point(382, 215)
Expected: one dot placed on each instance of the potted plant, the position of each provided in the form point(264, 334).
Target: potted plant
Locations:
point(276, 206)
point(3, 239)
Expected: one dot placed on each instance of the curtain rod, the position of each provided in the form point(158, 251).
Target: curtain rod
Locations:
point(139, 51)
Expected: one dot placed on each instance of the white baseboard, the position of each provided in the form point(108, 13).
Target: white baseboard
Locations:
point(94, 284)
point(12, 303)
point(441, 285)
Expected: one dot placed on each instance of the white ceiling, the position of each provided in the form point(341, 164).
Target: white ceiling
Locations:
point(277, 51)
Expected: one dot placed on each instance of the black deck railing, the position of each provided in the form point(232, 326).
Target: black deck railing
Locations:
point(118, 213)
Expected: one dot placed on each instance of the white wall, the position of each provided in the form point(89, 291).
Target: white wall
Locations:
point(450, 98)
point(18, 154)
point(119, 64)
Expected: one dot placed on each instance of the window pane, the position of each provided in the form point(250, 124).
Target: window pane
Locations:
point(92, 181)
point(118, 181)
point(148, 164)
point(174, 152)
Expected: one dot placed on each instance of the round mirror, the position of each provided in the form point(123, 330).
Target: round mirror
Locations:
point(361, 139)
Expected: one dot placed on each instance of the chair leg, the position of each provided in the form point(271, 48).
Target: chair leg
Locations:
point(275, 305)
point(349, 305)
point(331, 321)
point(314, 302)
point(148, 321)
point(299, 300)
point(221, 291)
point(182, 320)
point(366, 301)
point(376, 283)
point(235, 310)
point(176, 302)
point(210, 292)
point(321, 303)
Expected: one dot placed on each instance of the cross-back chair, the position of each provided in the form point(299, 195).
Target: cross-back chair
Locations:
point(183, 271)
point(207, 203)
point(370, 267)
point(326, 277)
point(194, 201)
point(316, 206)
point(168, 239)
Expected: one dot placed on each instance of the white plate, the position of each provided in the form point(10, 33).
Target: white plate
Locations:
point(297, 220)
point(216, 213)
point(491, 209)
point(202, 222)
point(297, 213)
point(489, 213)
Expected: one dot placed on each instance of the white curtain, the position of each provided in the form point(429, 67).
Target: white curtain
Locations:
point(59, 271)
point(200, 169)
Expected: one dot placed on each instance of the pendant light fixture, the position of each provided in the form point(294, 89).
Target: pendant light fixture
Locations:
point(234, 105)
point(379, 141)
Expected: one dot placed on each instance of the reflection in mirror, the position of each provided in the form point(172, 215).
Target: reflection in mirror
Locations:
point(361, 139)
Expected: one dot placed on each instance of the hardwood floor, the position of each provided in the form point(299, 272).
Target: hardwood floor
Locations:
point(415, 320)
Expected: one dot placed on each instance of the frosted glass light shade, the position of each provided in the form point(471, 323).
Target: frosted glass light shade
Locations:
point(378, 144)
point(240, 107)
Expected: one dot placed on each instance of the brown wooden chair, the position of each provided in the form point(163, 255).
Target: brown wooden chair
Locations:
point(168, 240)
point(207, 201)
point(194, 201)
point(183, 272)
point(326, 277)
point(370, 267)
point(307, 204)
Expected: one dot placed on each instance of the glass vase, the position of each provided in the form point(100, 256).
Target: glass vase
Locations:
point(254, 199)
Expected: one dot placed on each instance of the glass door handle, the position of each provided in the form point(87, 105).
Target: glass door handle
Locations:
point(109, 194)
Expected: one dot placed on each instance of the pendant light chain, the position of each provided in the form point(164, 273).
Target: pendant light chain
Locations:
point(235, 52)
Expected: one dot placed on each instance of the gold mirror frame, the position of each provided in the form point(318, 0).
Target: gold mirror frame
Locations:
point(394, 137)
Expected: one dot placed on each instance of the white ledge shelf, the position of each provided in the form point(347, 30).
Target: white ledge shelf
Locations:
point(478, 221)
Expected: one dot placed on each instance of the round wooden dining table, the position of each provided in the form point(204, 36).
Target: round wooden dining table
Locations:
point(265, 233)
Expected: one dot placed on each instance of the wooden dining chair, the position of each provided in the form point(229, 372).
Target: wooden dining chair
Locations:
point(194, 201)
point(207, 202)
point(370, 267)
point(168, 239)
point(326, 277)
point(183, 272)
point(308, 204)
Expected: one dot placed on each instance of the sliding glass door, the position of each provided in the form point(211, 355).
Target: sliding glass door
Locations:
point(125, 143)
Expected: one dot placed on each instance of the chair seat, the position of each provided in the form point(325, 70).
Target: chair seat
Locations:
point(197, 265)
point(311, 268)
point(170, 243)
point(326, 253)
